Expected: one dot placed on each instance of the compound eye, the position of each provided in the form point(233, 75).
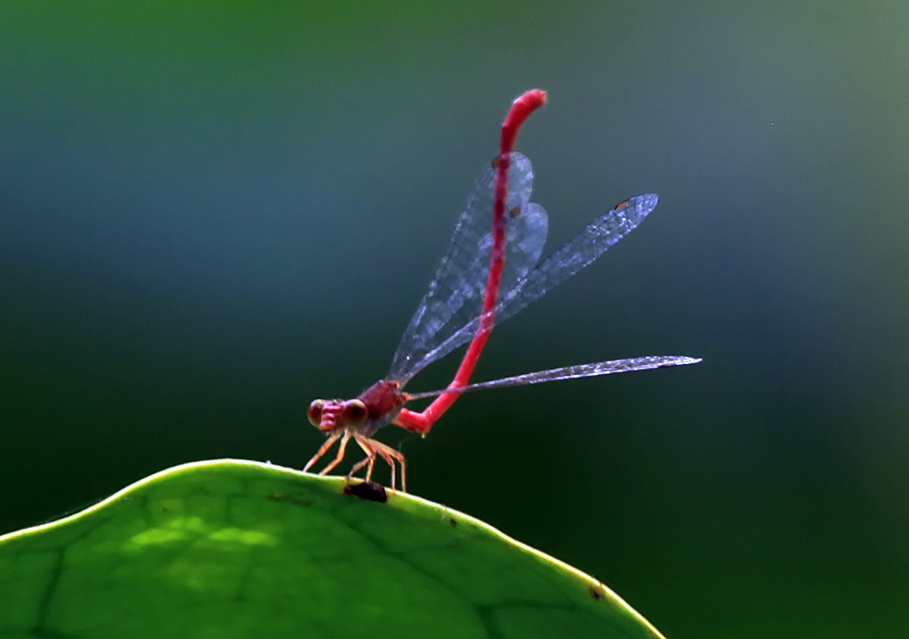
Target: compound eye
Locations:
point(355, 413)
point(315, 412)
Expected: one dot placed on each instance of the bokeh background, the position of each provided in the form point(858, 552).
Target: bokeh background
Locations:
point(213, 212)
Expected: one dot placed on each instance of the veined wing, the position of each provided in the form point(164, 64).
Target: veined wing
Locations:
point(455, 295)
point(576, 254)
point(573, 372)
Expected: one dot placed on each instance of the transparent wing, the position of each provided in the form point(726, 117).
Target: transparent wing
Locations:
point(574, 372)
point(455, 295)
point(579, 252)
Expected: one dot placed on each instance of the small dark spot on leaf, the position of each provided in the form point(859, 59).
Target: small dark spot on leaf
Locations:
point(595, 593)
point(453, 522)
point(368, 491)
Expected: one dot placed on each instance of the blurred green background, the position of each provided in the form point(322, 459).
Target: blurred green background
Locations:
point(211, 213)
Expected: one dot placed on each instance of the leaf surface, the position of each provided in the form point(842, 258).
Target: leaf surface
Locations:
point(242, 549)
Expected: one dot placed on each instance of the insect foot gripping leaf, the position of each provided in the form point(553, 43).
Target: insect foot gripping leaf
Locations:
point(241, 549)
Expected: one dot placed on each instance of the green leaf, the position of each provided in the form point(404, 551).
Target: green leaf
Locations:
point(242, 549)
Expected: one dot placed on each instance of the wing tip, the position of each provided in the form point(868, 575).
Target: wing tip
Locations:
point(638, 207)
point(682, 360)
point(649, 201)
